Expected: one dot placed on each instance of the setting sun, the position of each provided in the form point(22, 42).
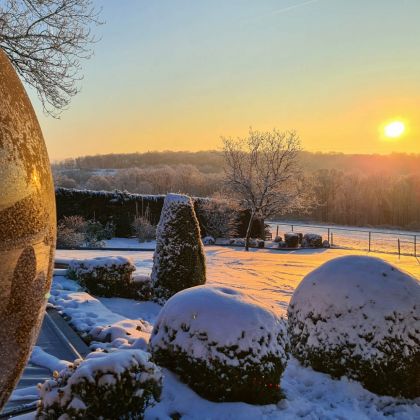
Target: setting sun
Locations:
point(394, 129)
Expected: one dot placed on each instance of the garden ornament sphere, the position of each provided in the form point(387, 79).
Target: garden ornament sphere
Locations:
point(27, 227)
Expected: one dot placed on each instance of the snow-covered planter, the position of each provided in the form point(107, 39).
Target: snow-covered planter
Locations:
point(209, 240)
point(106, 276)
point(109, 386)
point(260, 243)
point(291, 239)
point(312, 240)
point(179, 260)
point(222, 343)
point(359, 316)
point(240, 242)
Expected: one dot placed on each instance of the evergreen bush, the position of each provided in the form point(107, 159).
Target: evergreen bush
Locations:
point(110, 277)
point(225, 345)
point(359, 316)
point(179, 260)
point(118, 385)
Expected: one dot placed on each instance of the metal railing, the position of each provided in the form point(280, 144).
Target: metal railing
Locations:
point(376, 240)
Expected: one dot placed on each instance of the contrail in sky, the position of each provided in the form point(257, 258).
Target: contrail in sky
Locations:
point(282, 10)
point(293, 6)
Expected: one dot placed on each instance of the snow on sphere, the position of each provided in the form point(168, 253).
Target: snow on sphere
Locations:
point(222, 343)
point(359, 316)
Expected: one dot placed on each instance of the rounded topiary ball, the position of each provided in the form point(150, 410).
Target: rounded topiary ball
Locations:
point(222, 343)
point(359, 316)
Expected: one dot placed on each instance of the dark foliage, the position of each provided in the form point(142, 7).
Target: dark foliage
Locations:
point(179, 260)
point(121, 208)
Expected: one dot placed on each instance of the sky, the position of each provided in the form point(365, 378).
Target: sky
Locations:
point(179, 74)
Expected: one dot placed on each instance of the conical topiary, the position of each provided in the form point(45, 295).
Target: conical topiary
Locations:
point(179, 261)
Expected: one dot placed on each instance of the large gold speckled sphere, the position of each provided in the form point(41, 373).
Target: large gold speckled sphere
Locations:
point(27, 227)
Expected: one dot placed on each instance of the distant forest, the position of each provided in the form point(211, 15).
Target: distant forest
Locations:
point(358, 190)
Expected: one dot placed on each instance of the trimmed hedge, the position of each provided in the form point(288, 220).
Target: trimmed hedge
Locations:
point(121, 208)
point(110, 277)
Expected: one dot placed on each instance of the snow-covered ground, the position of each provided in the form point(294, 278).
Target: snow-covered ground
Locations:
point(271, 276)
point(382, 240)
point(129, 243)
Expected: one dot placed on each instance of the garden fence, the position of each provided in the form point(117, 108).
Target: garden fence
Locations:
point(374, 240)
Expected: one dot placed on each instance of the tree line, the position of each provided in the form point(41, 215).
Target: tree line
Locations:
point(357, 190)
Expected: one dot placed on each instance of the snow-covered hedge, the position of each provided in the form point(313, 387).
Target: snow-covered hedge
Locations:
point(291, 239)
point(222, 343)
point(312, 240)
point(109, 386)
point(359, 316)
point(179, 260)
point(110, 277)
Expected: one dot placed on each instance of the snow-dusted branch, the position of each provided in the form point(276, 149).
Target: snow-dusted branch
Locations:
point(46, 41)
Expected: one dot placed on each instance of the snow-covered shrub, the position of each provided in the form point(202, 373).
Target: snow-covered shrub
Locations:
point(326, 244)
point(282, 244)
point(312, 240)
point(105, 276)
point(291, 239)
point(359, 316)
point(179, 260)
point(253, 243)
point(76, 232)
point(260, 243)
point(110, 386)
point(240, 242)
point(209, 240)
point(278, 239)
point(123, 334)
point(96, 233)
point(143, 229)
point(71, 232)
point(141, 287)
point(222, 343)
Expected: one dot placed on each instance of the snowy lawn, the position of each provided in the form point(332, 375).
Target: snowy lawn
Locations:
point(269, 275)
point(129, 243)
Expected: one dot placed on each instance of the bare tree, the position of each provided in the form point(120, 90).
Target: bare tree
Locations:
point(46, 41)
point(262, 172)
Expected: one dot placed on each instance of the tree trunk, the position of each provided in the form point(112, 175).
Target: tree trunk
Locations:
point(248, 231)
